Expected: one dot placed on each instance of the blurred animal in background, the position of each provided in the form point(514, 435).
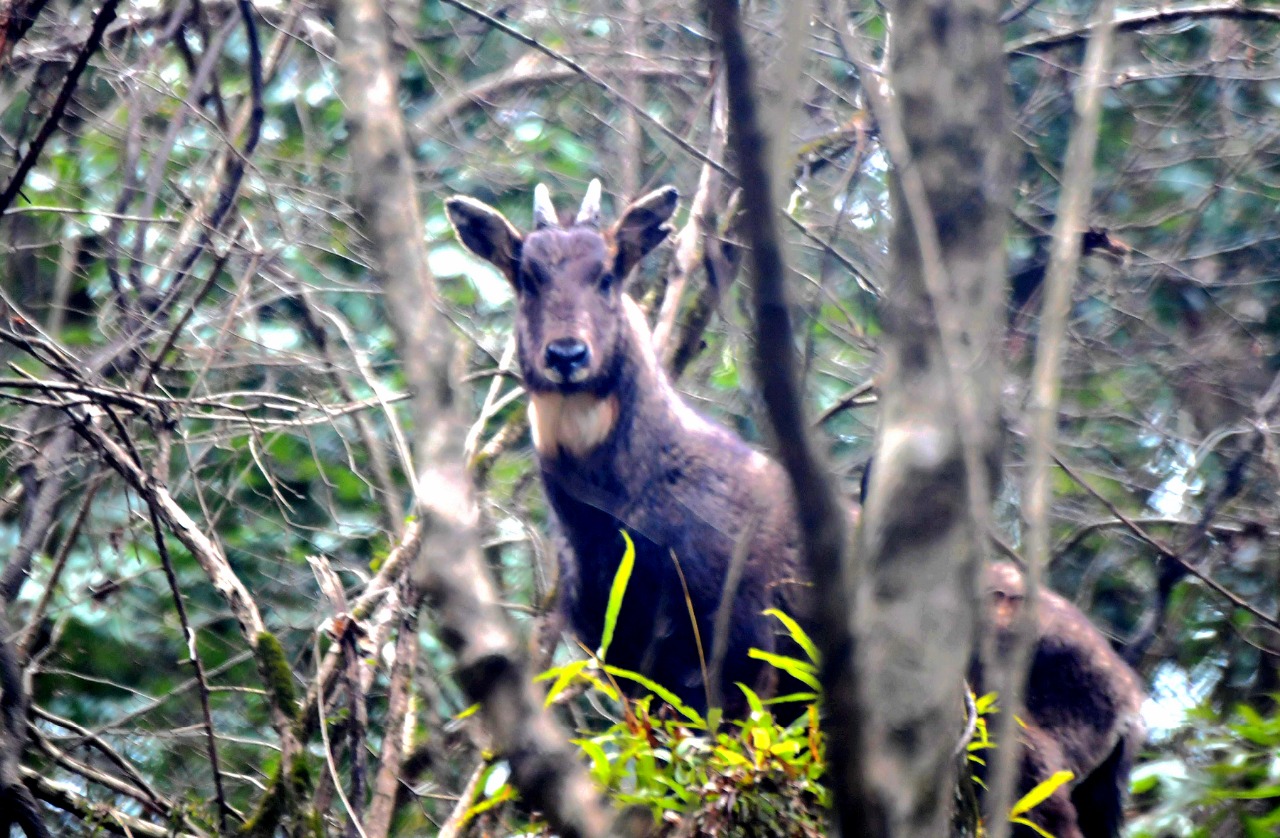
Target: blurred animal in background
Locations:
point(1081, 708)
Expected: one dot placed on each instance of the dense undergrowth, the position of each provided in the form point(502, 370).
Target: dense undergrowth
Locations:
point(699, 775)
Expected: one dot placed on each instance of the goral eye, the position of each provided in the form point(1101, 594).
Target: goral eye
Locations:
point(606, 280)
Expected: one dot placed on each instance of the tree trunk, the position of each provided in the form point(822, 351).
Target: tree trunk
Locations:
point(939, 441)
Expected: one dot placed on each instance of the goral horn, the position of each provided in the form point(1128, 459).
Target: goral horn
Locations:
point(590, 212)
point(544, 212)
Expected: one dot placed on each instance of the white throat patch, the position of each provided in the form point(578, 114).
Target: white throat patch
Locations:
point(575, 423)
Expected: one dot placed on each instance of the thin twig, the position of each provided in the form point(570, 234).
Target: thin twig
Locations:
point(190, 684)
point(392, 505)
point(458, 818)
point(398, 722)
point(634, 107)
point(84, 736)
point(94, 812)
point(69, 539)
point(859, 396)
point(105, 15)
point(1166, 553)
point(1046, 387)
point(691, 241)
point(193, 657)
point(724, 611)
point(1148, 14)
point(328, 750)
point(859, 274)
point(207, 553)
point(492, 403)
point(395, 567)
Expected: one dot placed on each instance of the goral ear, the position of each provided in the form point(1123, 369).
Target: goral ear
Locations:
point(642, 227)
point(486, 232)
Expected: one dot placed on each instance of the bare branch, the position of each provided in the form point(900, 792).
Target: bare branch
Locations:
point(1137, 18)
point(106, 14)
point(823, 525)
point(16, 18)
point(691, 241)
point(111, 819)
point(450, 570)
point(207, 554)
point(1064, 260)
point(399, 722)
point(634, 107)
point(193, 657)
point(1165, 552)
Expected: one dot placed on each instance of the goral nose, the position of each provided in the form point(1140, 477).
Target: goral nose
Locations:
point(567, 356)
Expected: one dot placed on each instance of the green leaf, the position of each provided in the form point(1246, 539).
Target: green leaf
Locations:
point(1142, 785)
point(785, 748)
point(682, 792)
point(503, 794)
point(600, 768)
point(797, 634)
point(1040, 793)
point(757, 707)
point(796, 668)
point(731, 758)
point(661, 692)
point(567, 674)
point(986, 704)
point(616, 592)
point(792, 698)
point(600, 685)
point(1262, 793)
point(1030, 825)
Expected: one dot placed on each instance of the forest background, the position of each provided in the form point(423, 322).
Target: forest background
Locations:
point(207, 514)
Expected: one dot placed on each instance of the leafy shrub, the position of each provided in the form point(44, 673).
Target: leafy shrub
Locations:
point(699, 776)
point(693, 774)
point(1223, 778)
point(981, 741)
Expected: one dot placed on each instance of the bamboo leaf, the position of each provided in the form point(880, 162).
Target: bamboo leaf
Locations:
point(616, 592)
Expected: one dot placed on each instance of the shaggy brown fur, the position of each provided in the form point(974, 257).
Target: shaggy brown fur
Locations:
point(619, 450)
point(1082, 708)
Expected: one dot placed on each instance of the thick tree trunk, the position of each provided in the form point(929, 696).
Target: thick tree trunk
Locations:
point(939, 440)
point(824, 538)
point(449, 569)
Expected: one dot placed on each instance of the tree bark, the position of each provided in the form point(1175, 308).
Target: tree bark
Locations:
point(1042, 408)
point(938, 445)
point(449, 568)
point(822, 518)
